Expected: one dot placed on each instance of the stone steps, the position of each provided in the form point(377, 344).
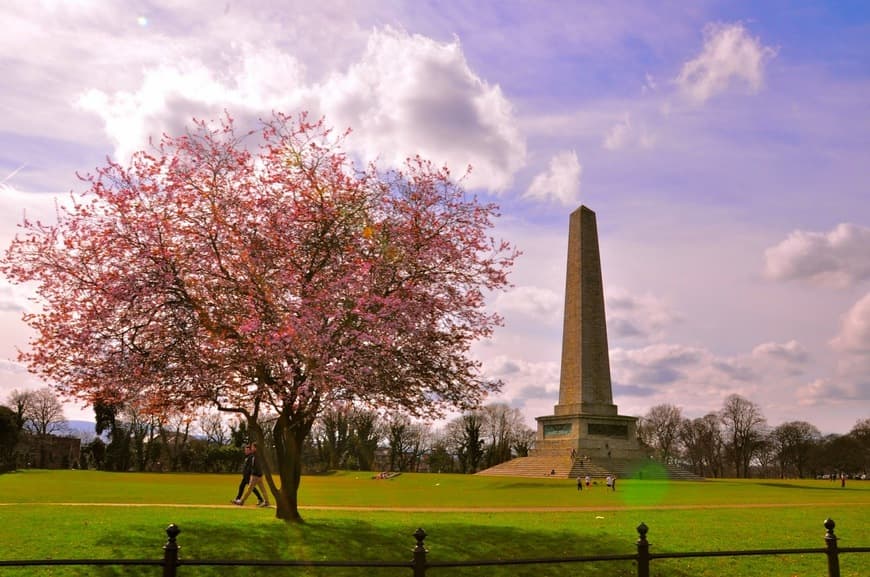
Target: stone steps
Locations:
point(540, 466)
point(566, 468)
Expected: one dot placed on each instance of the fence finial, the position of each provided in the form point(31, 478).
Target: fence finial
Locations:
point(170, 551)
point(642, 530)
point(831, 549)
point(420, 553)
point(642, 551)
point(172, 532)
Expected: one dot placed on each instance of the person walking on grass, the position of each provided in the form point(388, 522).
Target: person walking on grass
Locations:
point(246, 478)
point(256, 480)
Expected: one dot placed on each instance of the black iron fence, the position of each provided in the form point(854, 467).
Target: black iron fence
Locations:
point(420, 563)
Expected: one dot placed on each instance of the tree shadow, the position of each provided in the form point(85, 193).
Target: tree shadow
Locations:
point(803, 487)
point(353, 540)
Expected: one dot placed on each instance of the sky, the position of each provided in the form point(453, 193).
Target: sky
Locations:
point(724, 147)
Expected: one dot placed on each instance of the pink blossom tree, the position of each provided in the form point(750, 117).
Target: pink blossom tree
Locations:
point(272, 276)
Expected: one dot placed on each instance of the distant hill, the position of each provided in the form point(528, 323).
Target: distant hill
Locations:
point(82, 428)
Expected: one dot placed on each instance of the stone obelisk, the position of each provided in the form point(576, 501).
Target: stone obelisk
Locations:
point(584, 383)
point(586, 420)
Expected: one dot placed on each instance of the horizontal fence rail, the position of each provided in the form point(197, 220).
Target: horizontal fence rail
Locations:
point(419, 563)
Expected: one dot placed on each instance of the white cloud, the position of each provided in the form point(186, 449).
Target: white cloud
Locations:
point(260, 80)
point(409, 95)
point(560, 182)
point(852, 345)
point(406, 95)
point(791, 352)
point(531, 386)
point(656, 365)
point(698, 380)
point(623, 135)
point(642, 317)
point(828, 392)
point(541, 304)
point(854, 336)
point(791, 357)
point(840, 257)
point(14, 298)
point(730, 55)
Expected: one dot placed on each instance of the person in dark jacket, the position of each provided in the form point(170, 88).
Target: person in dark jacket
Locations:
point(247, 472)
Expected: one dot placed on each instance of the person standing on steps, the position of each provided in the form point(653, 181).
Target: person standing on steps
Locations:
point(246, 478)
point(256, 479)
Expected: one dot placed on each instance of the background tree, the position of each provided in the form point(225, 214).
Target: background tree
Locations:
point(408, 441)
point(212, 425)
point(861, 433)
point(659, 429)
point(9, 432)
point(441, 459)
point(504, 427)
point(40, 414)
point(793, 443)
point(744, 430)
point(333, 433)
point(704, 445)
point(117, 455)
point(524, 441)
point(275, 279)
point(44, 414)
point(464, 436)
point(838, 454)
point(19, 403)
point(764, 459)
point(38, 411)
point(367, 434)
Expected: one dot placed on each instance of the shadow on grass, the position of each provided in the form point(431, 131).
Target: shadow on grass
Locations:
point(830, 487)
point(549, 484)
point(351, 541)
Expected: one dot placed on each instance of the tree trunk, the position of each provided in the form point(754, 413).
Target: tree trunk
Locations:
point(289, 437)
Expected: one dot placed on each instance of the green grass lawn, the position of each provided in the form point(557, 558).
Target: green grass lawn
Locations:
point(51, 514)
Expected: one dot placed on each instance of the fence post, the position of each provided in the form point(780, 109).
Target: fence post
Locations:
point(420, 554)
point(642, 551)
point(170, 551)
point(832, 551)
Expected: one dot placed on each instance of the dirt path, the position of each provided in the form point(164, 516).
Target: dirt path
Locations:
point(460, 509)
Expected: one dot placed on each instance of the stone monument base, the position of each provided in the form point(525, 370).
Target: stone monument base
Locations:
point(599, 437)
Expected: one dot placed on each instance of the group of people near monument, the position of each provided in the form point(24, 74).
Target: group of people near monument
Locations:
point(252, 479)
point(610, 481)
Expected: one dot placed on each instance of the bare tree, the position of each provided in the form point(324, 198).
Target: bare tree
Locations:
point(704, 444)
point(501, 424)
point(333, 432)
point(19, 403)
point(408, 442)
point(367, 433)
point(793, 443)
point(464, 439)
point(38, 411)
point(523, 441)
point(660, 430)
point(861, 433)
point(744, 429)
point(9, 433)
point(212, 425)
